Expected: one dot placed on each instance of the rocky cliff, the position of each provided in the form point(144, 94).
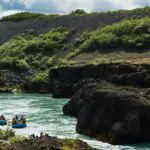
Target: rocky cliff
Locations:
point(113, 114)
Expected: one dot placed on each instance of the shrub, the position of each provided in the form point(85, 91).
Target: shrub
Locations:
point(83, 37)
point(21, 64)
point(6, 62)
point(14, 63)
point(78, 12)
point(16, 139)
point(38, 77)
point(32, 52)
point(128, 34)
point(47, 43)
point(5, 134)
point(50, 61)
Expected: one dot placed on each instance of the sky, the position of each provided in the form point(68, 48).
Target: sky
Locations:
point(8, 7)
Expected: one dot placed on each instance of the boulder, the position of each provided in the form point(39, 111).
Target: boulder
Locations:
point(113, 114)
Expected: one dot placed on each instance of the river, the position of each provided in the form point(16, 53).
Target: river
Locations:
point(44, 114)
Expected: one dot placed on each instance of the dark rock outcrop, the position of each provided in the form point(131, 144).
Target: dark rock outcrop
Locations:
point(36, 87)
point(10, 80)
point(66, 81)
point(114, 114)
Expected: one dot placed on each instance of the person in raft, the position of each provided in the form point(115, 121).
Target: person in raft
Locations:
point(14, 120)
point(2, 117)
point(22, 120)
point(16, 117)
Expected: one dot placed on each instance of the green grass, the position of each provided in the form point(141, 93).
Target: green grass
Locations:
point(38, 53)
point(16, 139)
point(133, 11)
point(71, 144)
point(6, 134)
point(40, 77)
point(128, 34)
point(32, 52)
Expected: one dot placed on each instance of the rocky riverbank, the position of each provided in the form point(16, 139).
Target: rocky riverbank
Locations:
point(49, 143)
point(10, 141)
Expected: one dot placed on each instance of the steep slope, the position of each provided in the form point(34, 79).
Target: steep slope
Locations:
point(33, 55)
point(10, 29)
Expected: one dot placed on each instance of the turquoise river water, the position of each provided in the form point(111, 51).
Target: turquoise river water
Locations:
point(44, 114)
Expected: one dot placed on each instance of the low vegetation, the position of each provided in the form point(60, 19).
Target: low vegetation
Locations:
point(79, 12)
point(38, 53)
point(128, 35)
point(9, 135)
point(32, 52)
point(8, 140)
point(133, 11)
point(70, 144)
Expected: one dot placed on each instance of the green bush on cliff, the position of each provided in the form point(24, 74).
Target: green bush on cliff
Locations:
point(71, 144)
point(47, 43)
point(126, 35)
point(6, 134)
point(14, 63)
point(33, 52)
point(38, 77)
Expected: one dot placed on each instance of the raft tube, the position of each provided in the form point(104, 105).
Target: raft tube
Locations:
point(19, 125)
point(3, 122)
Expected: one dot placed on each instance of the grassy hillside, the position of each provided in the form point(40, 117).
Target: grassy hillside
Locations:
point(38, 52)
point(126, 41)
point(128, 35)
point(32, 53)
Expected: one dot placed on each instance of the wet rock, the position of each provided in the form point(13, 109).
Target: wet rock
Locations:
point(36, 87)
point(114, 114)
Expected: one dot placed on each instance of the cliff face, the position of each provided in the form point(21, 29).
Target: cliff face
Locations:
point(113, 114)
point(117, 113)
point(66, 81)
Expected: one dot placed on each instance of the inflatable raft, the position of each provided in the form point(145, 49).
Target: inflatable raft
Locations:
point(3, 122)
point(19, 125)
